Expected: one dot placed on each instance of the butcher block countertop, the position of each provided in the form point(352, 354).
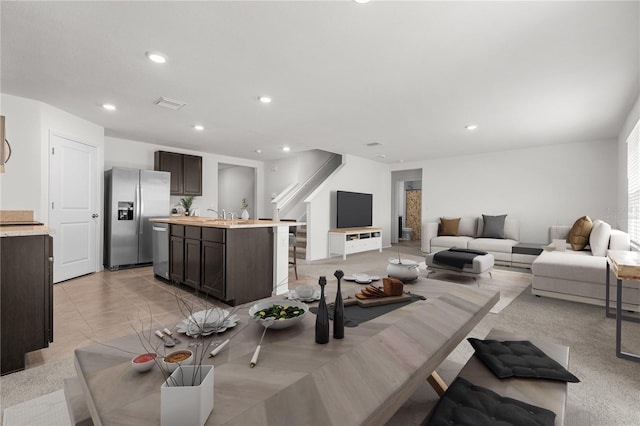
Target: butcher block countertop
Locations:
point(211, 222)
point(20, 223)
point(24, 230)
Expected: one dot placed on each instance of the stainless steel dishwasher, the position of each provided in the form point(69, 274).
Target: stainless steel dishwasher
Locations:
point(161, 250)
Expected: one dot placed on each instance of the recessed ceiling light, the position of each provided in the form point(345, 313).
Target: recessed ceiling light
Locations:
point(109, 107)
point(259, 151)
point(401, 161)
point(156, 57)
point(471, 126)
point(198, 127)
point(265, 99)
point(361, 1)
point(382, 156)
point(286, 149)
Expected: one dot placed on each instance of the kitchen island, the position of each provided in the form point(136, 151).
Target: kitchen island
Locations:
point(236, 261)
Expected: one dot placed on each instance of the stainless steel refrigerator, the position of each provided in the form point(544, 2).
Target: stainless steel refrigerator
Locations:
point(131, 198)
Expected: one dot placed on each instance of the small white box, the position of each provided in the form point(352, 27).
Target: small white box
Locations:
point(560, 245)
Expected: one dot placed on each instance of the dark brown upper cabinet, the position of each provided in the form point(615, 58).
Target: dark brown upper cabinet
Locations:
point(185, 169)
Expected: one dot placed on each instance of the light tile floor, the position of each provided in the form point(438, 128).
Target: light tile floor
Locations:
point(105, 305)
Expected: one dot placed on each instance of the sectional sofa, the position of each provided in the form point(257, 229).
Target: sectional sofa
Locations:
point(581, 275)
point(469, 235)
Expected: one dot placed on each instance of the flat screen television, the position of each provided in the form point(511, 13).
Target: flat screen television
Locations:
point(354, 209)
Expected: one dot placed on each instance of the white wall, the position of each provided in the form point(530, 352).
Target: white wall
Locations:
point(136, 154)
point(551, 185)
point(623, 207)
point(357, 175)
point(20, 185)
point(25, 185)
point(234, 184)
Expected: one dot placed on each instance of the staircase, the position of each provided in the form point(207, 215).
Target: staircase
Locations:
point(290, 202)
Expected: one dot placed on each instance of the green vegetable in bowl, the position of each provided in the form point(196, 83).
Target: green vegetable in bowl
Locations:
point(280, 312)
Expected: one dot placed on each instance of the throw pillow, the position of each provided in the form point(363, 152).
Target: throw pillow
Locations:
point(448, 227)
point(519, 359)
point(467, 404)
point(579, 233)
point(599, 238)
point(493, 226)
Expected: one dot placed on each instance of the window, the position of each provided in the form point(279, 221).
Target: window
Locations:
point(633, 182)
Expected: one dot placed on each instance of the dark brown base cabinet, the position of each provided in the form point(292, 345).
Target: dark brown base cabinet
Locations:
point(26, 298)
point(232, 265)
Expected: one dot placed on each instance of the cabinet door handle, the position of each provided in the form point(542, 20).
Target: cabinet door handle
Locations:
point(94, 215)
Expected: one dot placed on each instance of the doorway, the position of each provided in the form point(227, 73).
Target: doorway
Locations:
point(235, 184)
point(406, 210)
point(412, 211)
point(73, 206)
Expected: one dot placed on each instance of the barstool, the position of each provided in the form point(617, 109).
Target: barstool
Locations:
point(293, 233)
point(293, 238)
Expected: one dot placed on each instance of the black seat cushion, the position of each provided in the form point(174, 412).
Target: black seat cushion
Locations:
point(519, 359)
point(467, 404)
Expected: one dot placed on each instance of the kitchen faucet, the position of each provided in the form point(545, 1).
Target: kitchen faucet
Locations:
point(224, 213)
point(215, 211)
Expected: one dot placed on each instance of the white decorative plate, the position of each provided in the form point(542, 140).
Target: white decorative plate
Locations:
point(361, 278)
point(207, 322)
point(292, 295)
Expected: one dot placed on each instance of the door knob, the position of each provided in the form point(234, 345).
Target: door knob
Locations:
point(94, 215)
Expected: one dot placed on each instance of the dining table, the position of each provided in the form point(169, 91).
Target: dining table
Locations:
point(363, 378)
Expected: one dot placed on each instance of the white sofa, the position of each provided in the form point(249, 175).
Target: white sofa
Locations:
point(469, 232)
point(580, 275)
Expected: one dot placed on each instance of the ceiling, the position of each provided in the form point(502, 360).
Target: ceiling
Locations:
point(407, 75)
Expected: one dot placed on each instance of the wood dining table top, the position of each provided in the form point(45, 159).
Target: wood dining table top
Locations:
point(361, 379)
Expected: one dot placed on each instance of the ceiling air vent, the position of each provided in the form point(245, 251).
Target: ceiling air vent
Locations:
point(374, 144)
point(169, 103)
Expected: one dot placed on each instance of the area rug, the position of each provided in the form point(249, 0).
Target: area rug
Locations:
point(49, 410)
point(510, 284)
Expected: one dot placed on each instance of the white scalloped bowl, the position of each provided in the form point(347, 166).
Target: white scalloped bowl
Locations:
point(140, 365)
point(171, 366)
point(278, 324)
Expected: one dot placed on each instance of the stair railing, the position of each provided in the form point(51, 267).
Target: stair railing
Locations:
point(292, 191)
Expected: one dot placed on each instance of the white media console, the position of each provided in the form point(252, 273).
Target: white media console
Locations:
point(344, 241)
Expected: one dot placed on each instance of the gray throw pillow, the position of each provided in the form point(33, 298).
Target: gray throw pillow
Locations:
point(493, 226)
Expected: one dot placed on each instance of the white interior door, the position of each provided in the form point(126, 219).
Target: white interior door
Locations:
point(73, 206)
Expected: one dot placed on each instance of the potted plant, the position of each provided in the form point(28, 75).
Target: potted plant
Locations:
point(186, 203)
point(245, 206)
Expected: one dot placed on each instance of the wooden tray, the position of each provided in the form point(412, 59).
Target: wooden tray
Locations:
point(377, 301)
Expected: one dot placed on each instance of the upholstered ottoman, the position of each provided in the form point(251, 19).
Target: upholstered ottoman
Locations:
point(481, 264)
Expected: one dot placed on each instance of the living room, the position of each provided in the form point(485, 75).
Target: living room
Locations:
point(553, 119)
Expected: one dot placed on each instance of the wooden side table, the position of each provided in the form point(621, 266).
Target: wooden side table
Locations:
point(625, 266)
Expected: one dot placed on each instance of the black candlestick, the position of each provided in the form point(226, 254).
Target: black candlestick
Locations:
point(322, 318)
point(338, 309)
